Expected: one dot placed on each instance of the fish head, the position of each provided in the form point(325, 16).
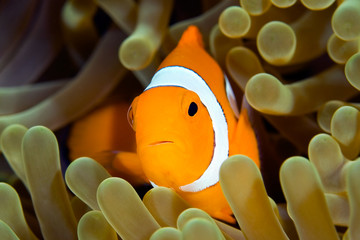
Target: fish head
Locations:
point(174, 135)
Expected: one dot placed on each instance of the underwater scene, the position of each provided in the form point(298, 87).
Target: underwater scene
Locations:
point(180, 119)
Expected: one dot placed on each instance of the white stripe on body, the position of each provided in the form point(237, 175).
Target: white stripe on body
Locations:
point(182, 77)
point(231, 97)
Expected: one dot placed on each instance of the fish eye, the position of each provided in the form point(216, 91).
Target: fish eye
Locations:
point(193, 108)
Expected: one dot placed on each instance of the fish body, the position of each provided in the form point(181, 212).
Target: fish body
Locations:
point(187, 125)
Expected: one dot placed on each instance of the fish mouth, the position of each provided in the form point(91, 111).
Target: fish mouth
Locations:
point(160, 143)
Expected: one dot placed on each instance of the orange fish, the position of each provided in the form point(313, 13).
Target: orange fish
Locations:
point(187, 125)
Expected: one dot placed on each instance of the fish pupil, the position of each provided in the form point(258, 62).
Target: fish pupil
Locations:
point(193, 108)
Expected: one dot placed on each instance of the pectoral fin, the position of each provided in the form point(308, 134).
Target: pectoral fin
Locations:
point(122, 164)
point(245, 141)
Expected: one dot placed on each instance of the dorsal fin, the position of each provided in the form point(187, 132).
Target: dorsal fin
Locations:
point(192, 37)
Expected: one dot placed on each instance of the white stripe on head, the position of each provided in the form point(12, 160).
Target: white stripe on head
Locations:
point(183, 77)
point(153, 184)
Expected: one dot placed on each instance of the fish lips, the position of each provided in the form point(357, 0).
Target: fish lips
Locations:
point(163, 163)
point(157, 143)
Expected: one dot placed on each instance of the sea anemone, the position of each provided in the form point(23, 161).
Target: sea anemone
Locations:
point(296, 62)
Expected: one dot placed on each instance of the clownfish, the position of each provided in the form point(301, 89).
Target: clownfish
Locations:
point(187, 124)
